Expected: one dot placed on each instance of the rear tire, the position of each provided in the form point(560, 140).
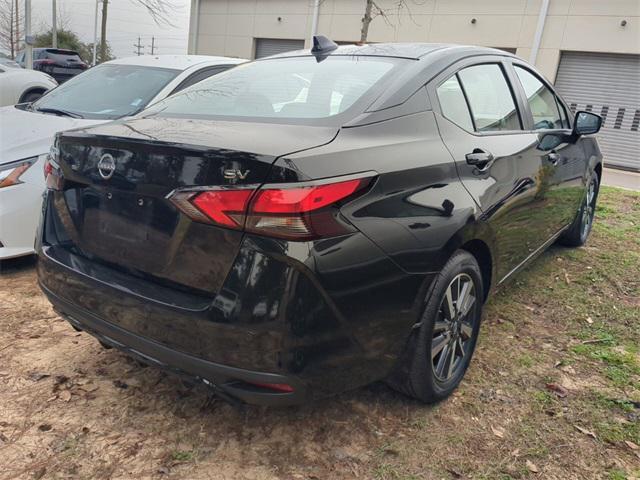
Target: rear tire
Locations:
point(441, 348)
point(579, 231)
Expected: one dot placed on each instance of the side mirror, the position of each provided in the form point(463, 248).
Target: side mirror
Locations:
point(586, 123)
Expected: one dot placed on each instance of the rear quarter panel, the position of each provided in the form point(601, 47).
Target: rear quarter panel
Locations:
point(417, 212)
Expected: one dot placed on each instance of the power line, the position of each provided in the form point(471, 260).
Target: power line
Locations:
point(139, 47)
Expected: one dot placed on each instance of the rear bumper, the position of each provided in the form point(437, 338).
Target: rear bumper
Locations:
point(225, 380)
point(322, 317)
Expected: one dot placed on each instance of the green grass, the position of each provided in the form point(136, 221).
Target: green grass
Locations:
point(617, 475)
point(182, 455)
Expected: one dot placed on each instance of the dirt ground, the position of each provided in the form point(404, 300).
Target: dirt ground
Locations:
point(553, 392)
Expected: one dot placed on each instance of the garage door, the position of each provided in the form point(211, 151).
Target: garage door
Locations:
point(271, 46)
point(609, 85)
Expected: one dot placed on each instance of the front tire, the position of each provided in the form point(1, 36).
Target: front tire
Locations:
point(440, 350)
point(579, 231)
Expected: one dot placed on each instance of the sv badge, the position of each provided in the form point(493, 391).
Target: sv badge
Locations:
point(231, 174)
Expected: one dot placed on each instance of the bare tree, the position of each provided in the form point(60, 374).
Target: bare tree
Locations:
point(373, 9)
point(10, 22)
point(160, 10)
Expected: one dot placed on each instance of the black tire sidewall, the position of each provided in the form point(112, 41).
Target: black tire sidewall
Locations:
point(573, 236)
point(423, 381)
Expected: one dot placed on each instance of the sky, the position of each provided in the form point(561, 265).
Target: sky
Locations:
point(126, 20)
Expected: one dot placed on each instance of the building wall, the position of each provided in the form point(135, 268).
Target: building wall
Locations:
point(230, 27)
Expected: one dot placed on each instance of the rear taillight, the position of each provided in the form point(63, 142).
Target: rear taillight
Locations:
point(291, 211)
point(51, 170)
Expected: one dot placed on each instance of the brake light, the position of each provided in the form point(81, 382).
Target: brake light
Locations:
point(302, 199)
point(48, 168)
point(46, 61)
point(290, 211)
point(51, 170)
point(224, 207)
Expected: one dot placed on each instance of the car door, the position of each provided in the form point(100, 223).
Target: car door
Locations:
point(564, 162)
point(480, 120)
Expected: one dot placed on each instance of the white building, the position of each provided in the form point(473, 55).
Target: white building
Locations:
point(590, 48)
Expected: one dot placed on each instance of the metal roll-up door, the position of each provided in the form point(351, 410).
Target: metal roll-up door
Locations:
point(607, 84)
point(270, 46)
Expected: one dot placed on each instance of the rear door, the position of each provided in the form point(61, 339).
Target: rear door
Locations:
point(480, 122)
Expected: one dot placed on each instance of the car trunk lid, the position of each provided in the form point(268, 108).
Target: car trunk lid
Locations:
point(113, 203)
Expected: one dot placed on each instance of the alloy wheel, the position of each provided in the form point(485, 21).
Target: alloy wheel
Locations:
point(454, 328)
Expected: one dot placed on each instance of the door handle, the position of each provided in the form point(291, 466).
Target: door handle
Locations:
point(479, 158)
point(553, 158)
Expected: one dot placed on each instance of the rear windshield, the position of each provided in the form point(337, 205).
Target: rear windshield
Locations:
point(60, 54)
point(294, 88)
point(108, 91)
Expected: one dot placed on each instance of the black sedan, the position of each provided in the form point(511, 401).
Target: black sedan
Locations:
point(314, 221)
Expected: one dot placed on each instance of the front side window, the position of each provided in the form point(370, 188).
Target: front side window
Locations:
point(282, 88)
point(108, 91)
point(490, 100)
point(542, 101)
point(453, 104)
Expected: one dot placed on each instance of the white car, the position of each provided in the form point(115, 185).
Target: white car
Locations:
point(112, 90)
point(18, 85)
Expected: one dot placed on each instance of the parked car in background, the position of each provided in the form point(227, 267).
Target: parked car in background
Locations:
point(61, 64)
point(110, 91)
point(314, 221)
point(18, 85)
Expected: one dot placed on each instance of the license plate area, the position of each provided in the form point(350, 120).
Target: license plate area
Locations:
point(125, 216)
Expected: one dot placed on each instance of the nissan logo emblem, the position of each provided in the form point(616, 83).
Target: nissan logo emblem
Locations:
point(106, 166)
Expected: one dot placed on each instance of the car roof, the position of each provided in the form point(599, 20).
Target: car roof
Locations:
point(414, 51)
point(178, 62)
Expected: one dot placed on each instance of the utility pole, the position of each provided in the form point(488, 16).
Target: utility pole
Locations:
point(28, 38)
point(95, 34)
point(17, 26)
point(139, 47)
point(54, 22)
point(103, 34)
point(153, 45)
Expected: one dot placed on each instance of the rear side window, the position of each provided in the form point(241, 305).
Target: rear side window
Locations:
point(490, 99)
point(542, 101)
point(453, 104)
